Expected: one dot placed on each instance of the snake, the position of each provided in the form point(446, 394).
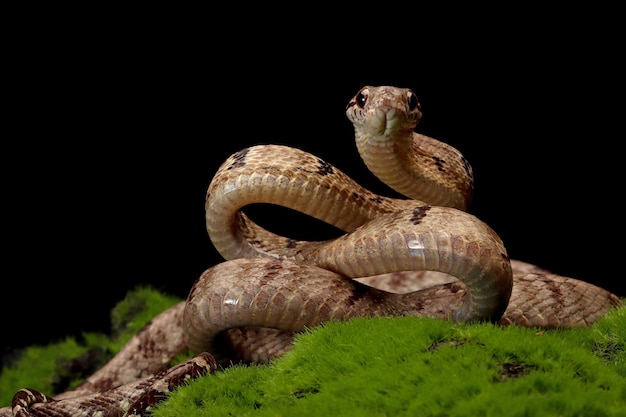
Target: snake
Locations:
point(422, 255)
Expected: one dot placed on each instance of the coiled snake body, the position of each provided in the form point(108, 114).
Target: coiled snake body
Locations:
point(271, 286)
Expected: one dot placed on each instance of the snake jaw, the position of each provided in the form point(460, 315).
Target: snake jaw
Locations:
point(384, 122)
point(379, 125)
point(383, 114)
point(389, 122)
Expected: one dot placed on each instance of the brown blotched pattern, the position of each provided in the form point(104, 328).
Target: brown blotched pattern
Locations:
point(418, 214)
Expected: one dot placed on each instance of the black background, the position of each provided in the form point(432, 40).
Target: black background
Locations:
point(116, 129)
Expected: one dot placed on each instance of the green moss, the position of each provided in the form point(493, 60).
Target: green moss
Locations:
point(62, 365)
point(135, 311)
point(43, 368)
point(409, 366)
point(606, 339)
point(377, 367)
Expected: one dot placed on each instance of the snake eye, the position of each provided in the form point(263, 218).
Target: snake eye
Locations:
point(412, 101)
point(361, 98)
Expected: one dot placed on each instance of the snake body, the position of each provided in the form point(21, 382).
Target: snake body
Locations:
point(249, 307)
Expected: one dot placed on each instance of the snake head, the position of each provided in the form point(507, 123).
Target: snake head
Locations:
point(384, 111)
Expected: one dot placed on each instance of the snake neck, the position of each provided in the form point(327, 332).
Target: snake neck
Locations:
point(389, 160)
point(415, 165)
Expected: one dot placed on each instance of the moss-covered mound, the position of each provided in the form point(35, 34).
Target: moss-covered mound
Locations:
point(376, 367)
point(425, 367)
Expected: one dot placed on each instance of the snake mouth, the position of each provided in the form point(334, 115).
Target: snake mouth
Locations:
point(384, 121)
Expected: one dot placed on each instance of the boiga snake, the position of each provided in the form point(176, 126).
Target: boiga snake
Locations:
point(423, 255)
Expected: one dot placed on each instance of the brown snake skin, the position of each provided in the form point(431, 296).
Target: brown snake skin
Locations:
point(423, 256)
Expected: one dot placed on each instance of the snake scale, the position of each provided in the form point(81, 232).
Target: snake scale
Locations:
point(424, 255)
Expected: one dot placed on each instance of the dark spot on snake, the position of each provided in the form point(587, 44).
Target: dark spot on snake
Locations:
point(555, 290)
point(26, 397)
point(324, 167)
point(272, 269)
point(357, 196)
point(439, 163)
point(291, 243)
point(467, 167)
point(377, 200)
point(308, 171)
point(149, 398)
point(418, 214)
point(99, 401)
point(239, 158)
